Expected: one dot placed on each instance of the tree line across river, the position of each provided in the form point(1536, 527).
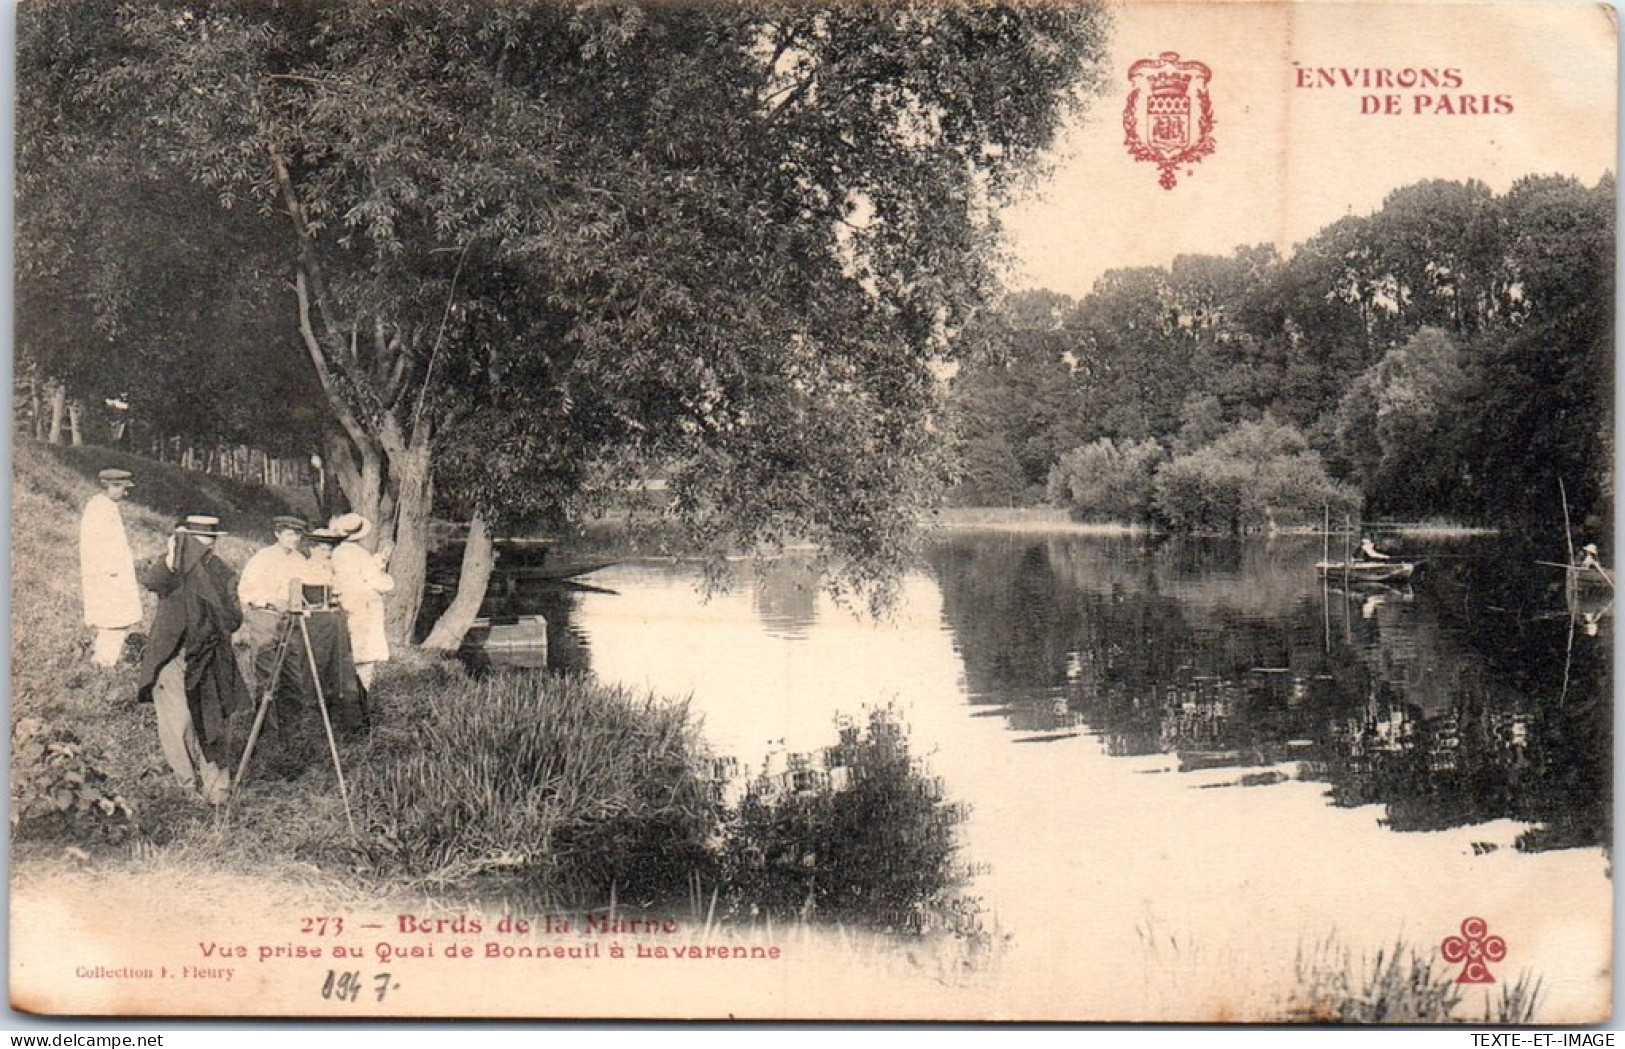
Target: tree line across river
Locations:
point(1449, 355)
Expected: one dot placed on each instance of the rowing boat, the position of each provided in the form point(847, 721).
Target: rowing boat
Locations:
point(1367, 571)
point(1590, 578)
point(508, 641)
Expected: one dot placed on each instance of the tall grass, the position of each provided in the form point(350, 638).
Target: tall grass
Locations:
point(583, 792)
point(1399, 985)
point(568, 785)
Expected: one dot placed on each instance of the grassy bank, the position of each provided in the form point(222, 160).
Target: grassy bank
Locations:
point(1058, 519)
point(1024, 519)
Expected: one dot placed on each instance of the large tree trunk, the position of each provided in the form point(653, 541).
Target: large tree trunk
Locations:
point(414, 502)
point(59, 408)
point(478, 558)
point(392, 484)
point(76, 434)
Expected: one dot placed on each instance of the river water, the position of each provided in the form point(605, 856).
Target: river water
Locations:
point(1188, 764)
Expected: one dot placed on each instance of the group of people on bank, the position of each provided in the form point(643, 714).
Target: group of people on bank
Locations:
point(189, 669)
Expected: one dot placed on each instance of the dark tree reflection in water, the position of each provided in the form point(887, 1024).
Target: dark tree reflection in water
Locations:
point(1468, 697)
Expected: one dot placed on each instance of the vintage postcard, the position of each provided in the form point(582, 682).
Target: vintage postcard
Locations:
point(1012, 511)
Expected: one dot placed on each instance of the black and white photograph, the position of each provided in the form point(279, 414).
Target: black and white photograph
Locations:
point(979, 511)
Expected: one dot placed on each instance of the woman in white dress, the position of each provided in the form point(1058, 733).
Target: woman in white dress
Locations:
point(359, 583)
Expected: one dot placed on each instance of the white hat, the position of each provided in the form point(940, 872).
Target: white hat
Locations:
point(354, 526)
point(200, 524)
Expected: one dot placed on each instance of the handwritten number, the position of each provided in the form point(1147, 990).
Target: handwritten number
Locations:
point(344, 987)
point(347, 986)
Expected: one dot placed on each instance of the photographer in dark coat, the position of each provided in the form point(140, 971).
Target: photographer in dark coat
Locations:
point(189, 672)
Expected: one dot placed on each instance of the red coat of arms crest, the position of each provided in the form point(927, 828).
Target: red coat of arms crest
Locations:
point(1169, 117)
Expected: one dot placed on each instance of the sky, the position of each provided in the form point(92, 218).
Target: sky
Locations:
point(1288, 159)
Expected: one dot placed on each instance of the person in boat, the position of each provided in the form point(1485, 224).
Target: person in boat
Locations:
point(1588, 558)
point(1369, 551)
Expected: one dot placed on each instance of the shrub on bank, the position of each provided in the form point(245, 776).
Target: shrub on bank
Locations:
point(1107, 481)
point(1261, 474)
point(869, 838)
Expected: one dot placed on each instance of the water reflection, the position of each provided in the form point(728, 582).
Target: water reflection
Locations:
point(1461, 701)
point(1467, 697)
point(785, 597)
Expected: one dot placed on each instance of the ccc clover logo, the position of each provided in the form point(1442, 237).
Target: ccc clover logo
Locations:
point(1474, 948)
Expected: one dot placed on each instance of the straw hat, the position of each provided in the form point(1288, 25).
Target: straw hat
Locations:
point(351, 526)
point(325, 536)
point(201, 524)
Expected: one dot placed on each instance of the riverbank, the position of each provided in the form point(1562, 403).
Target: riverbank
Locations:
point(1025, 519)
point(289, 822)
point(1057, 520)
point(558, 787)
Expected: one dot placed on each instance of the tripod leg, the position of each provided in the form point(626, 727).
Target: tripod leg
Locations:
point(267, 697)
point(327, 724)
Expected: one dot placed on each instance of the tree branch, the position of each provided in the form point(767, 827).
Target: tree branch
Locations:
point(440, 336)
point(324, 372)
point(301, 229)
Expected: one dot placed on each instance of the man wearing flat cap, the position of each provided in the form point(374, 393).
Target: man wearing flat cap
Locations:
point(269, 580)
point(112, 599)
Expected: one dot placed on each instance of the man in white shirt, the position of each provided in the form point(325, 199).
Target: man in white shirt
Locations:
point(112, 597)
point(266, 588)
point(1369, 551)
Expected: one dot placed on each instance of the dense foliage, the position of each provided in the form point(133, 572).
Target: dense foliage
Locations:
point(1451, 353)
point(59, 788)
point(1261, 474)
point(1107, 480)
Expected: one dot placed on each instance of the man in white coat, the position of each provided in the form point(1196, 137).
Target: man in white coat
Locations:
point(107, 569)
